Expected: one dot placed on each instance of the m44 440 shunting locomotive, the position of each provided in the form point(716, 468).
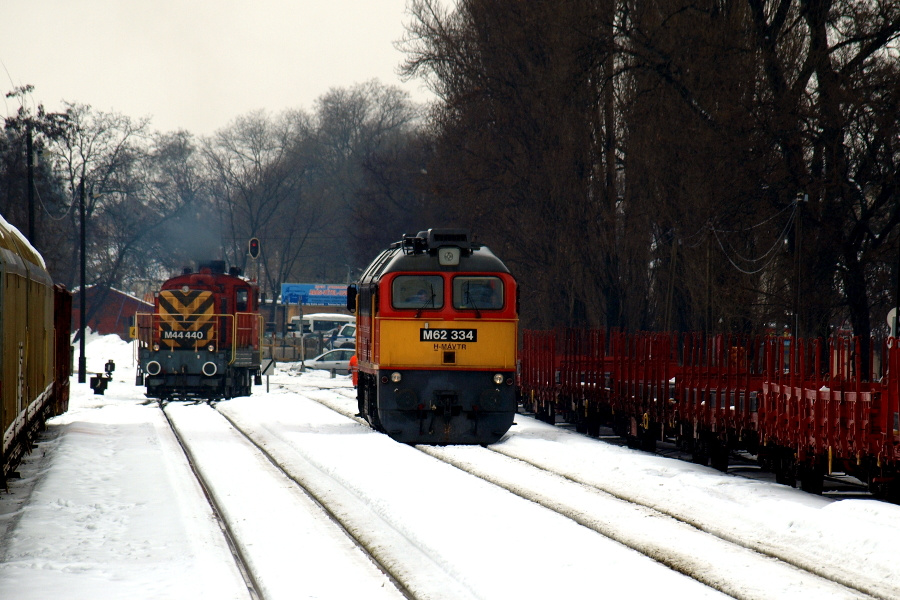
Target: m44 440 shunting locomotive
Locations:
point(436, 340)
point(203, 338)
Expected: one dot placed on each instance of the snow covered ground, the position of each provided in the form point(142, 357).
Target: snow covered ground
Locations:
point(108, 507)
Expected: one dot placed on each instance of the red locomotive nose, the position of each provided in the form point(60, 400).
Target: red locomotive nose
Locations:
point(432, 367)
point(204, 338)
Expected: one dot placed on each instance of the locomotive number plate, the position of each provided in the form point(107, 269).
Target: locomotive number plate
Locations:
point(184, 335)
point(448, 335)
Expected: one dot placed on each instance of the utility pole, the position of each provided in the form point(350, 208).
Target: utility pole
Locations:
point(800, 201)
point(29, 162)
point(82, 360)
point(895, 331)
point(708, 312)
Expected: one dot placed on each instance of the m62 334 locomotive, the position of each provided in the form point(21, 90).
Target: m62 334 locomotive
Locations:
point(436, 340)
point(203, 338)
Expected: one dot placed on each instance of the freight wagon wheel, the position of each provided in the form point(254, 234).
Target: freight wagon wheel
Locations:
point(581, 424)
point(579, 416)
point(550, 414)
point(593, 425)
point(785, 467)
point(620, 426)
point(700, 452)
point(718, 455)
point(647, 440)
point(888, 491)
point(812, 480)
point(785, 478)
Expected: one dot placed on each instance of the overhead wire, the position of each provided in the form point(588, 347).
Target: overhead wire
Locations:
point(65, 215)
point(769, 255)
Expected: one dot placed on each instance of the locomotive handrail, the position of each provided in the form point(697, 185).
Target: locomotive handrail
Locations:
point(245, 330)
point(246, 335)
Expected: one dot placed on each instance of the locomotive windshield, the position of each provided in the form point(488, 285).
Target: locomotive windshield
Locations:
point(479, 293)
point(417, 291)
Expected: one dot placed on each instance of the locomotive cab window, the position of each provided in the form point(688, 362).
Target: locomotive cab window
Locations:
point(241, 300)
point(417, 291)
point(477, 293)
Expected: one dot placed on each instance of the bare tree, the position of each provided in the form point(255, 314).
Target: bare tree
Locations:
point(45, 206)
point(726, 165)
point(261, 172)
point(353, 126)
point(180, 225)
point(521, 140)
point(99, 154)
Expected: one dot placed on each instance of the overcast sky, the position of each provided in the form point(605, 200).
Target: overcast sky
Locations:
point(197, 64)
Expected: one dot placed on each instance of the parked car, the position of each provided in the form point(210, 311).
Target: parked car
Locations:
point(344, 338)
point(339, 360)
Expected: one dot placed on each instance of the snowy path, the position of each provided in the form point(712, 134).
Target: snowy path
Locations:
point(115, 513)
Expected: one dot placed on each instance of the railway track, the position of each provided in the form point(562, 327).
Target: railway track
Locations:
point(837, 486)
point(720, 560)
point(256, 544)
point(227, 531)
point(715, 557)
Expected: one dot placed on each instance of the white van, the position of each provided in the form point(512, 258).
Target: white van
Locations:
point(317, 323)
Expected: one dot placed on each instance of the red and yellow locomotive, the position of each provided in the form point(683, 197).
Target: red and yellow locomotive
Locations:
point(437, 327)
point(204, 337)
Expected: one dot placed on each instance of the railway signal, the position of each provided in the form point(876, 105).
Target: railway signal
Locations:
point(253, 248)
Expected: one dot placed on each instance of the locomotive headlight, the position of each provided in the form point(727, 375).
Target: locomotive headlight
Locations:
point(396, 377)
point(156, 347)
point(211, 347)
point(498, 378)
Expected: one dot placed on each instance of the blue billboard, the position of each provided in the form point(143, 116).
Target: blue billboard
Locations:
point(314, 294)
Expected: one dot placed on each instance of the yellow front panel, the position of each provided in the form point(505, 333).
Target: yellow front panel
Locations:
point(401, 345)
point(186, 319)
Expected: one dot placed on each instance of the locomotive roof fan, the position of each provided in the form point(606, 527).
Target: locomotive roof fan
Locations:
point(447, 244)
